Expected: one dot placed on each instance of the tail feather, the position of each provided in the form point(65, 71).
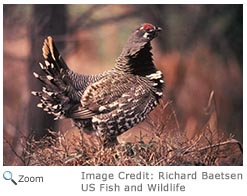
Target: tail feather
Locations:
point(47, 80)
point(55, 96)
point(51, 54)
point(62, 88)
point(53, 102)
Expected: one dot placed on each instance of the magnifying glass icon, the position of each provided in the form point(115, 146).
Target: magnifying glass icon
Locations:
point(7, 175)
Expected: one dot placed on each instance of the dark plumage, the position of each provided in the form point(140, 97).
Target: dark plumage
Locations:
point(109, 103)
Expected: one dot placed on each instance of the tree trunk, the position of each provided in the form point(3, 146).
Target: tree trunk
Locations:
point(47, 20)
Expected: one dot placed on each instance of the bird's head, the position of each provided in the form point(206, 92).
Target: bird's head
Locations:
point(147, 32)
point(139, 41)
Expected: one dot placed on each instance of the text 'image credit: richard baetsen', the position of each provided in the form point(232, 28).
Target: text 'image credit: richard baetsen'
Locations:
point(148, 181)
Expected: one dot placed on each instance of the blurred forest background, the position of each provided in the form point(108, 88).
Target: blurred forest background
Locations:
point(199, 50)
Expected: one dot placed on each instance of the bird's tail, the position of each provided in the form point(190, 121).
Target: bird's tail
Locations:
point(53, 98)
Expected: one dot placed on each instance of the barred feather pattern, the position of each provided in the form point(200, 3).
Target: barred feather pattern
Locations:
point(109, 103)
point(62, 88)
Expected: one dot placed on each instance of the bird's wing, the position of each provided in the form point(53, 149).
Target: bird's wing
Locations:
point(111, 94)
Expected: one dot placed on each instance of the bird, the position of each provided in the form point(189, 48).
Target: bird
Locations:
point(109, 103)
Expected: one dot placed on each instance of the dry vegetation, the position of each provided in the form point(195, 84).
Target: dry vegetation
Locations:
point(165, 146)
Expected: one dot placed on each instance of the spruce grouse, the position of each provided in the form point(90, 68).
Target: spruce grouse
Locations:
point(109, 103)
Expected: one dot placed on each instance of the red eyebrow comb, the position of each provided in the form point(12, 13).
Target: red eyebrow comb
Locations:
point(147, 26)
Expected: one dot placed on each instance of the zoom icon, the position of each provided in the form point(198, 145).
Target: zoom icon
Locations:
point(7, 175)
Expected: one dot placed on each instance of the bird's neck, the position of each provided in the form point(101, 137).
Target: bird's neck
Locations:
point(136, 61)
